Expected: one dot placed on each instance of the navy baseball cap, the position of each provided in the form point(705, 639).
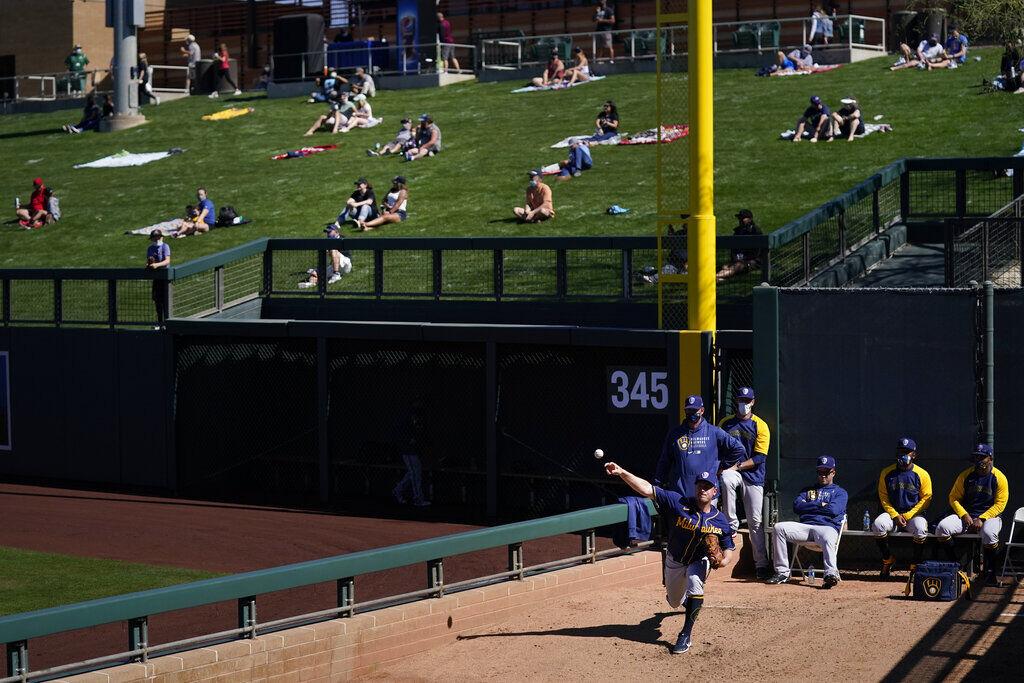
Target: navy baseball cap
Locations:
point(815, 100)
point(706, 476)
point(906, 444)
point(694, 403)
point(745, 394)
point(825, 462)
point(982, 450)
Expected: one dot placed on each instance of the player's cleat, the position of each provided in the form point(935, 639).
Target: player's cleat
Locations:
point(777, 579)
point(399, 498)
point(682, 644)
point(830, 580)
point(887, 564)
point(421, 503)
point(763, 573)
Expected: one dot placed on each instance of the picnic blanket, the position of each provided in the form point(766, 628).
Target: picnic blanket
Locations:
point(226, 114)
point(556, 86)
point(816, 69)
point(869, 128)
point(669, 133)
point(304, 152)
point(126, 158)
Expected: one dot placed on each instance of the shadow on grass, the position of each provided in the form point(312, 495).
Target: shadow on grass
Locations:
point(29, 133)
point(976, 640)
point(647, 631)
point(510, 220)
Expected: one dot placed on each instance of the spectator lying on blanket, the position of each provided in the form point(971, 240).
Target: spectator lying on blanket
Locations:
point(91, 115)
point(395, 204)
point(799, 59)
point(334, 118)
point(553, 74)
point(539, 206)
point(428, 139)
point(817, 119)
point(580, 70)
point(848, 121)
point(928, 51)
point(361, 116)
point(742, 260)
point(404, 139)
point(339, 265)
point(34, 215)
point(579, 160)
point(198, 218)
point(607, 123)
point(361, 206)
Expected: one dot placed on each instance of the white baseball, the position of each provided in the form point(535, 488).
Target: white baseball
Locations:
point(598, 453)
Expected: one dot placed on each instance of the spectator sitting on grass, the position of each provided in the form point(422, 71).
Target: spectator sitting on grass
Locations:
point(553, 74)
point(361, 116)
point(339, 265)
point(1008, 63)
point(198, 218)
point(428, 139)
point(362, 83)
point(333, 82)
point(607, 123)
point(539, 206)
point(334, 118)
point(848, 121)
point(956, 47)
point(35, 215)
point(581, 67)
point(579, 160)
point(404, 139)
point(817, 119)
point(361, 206)
point(742, 260)
point(108, 106)
point(394, 209)
point(928, 51)
point(800, 59)
point(263, 82)
point(91, 115)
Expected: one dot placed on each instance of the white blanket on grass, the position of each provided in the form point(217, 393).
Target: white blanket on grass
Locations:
point(125, 158)
point(557, 86)
point(869, 128)
point(165, 227)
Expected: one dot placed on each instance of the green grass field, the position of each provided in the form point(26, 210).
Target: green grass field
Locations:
point(492, 137)
point(32, 580)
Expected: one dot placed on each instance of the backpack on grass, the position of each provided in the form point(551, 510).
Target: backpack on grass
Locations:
point(226, 216)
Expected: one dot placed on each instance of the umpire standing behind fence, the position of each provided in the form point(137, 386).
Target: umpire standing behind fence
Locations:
point(694, 447)
point(822, 512)
point(978, 497)
point(699, 540)
point(904, 490)
point(747, 475)
point(158, 255)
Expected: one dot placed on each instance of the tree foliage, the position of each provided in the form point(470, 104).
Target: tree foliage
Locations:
point(982, 19)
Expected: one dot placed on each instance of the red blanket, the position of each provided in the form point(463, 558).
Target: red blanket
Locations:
point(304, 152)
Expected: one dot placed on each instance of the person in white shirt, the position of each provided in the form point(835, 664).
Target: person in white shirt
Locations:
point(929, 51)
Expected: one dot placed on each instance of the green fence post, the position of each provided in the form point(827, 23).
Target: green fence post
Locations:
point(990, 364)
point(112, 303)
point(491, 427)
point(138, 638)
point(268, 272)
point(247, 616)
point(7, 302)
point(435, 268)
point(58, 295)
point(905, 196)
point(960, 184)
point(347, 594)
point(378, 273)
point(766, 372)
point(323, 400)
point(17, 659)
point(435, 576)
point(561, 274)
point(499, 273)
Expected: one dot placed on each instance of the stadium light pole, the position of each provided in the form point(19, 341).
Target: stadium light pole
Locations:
point(124, 16)
point(700, 235)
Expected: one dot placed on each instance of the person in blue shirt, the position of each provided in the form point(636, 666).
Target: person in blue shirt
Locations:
point(158, 256)
point(956, 47)
point(746, 477)
point(202, 219)
point(694, 447)
point(822, 512)
point(690, 519)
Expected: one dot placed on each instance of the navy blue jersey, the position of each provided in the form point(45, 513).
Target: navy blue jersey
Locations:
point(753, 434)
point(688, 452)
point(822, 506)
point(690, 525)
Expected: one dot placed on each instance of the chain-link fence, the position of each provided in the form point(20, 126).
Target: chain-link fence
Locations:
point(74, 299)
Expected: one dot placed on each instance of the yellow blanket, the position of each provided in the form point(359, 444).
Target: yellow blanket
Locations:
point(225, 114)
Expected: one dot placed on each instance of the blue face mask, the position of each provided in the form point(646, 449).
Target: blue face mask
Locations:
point(904, 459)
point(693, 418)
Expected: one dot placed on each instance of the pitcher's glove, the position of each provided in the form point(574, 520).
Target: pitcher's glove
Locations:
point(713, 550)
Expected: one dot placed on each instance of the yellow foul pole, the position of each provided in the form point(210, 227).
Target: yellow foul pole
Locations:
point(701, 230)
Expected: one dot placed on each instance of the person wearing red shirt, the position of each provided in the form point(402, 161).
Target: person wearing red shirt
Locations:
point(35, 214)
point(444, 28)
point(223, 71)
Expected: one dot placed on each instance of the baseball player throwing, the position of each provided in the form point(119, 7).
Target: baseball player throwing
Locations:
point(904, 490)
point(699, 539)
point(978, 497)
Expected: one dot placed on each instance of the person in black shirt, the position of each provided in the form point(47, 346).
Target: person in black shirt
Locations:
point(848, 120)
point(742, 260)
point(361, 206)
point(817, 119)
point(91, 115)
point(607, 123)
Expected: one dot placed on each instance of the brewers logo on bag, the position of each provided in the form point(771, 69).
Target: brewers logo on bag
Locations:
point(931, 586)
point(937, 581)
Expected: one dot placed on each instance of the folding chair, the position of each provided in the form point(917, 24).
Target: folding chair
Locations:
point(796, 567)
point(1015, 570)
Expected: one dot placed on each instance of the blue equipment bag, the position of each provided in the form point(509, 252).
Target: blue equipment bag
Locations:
point(938, 581)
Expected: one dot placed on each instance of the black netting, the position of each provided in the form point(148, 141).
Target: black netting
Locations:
point(932, 193)
point(989, 249)
point(735, 370)
point(246, 419)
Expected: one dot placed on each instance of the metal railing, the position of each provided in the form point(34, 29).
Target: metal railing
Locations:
point(383, 59)
point(135, 608)
point(169, 79)
point(52, 86)
point(851, 31)
point(991, 249)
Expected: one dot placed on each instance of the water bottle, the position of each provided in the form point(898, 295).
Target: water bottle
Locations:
point(17, 203)
point(867, 521)
point(812, 576)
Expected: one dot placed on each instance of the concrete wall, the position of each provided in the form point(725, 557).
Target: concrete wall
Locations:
point(342, 649)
